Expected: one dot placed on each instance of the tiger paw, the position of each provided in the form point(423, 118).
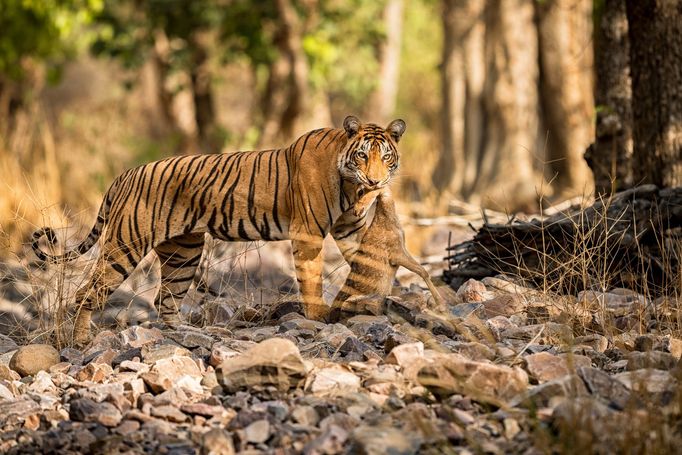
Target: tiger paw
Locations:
point(317, 312)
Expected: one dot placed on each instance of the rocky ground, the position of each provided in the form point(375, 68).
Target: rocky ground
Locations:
point(508, 370)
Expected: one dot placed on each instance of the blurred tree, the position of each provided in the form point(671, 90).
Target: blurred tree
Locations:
point(610, 156)
point(566, 90)
point(517, 99)
point(655, 32)
point(383, 100)
point(36, 35)
point(177, 35)
point(298, 50)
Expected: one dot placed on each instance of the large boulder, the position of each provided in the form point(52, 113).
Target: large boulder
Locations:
point(273, 362)
point(28, 360)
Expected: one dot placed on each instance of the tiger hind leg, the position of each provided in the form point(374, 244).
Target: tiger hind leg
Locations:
point(180, 257)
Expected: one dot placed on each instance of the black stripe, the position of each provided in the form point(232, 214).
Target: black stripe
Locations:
point(119, 268)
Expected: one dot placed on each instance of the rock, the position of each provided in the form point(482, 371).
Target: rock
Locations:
point(203, 409)
point(453, 373)
point(473, 291)
point(372, 440)
point(472, 350)
point(605, 387)
point(405, 307)
point(7, 374)
point(405, 354)
point(464, 310)
point(137, 367)
point(305, 415)
point(87, 410)
point(394, 339)
point(192, 339)
point(597, 342)
point(169, 372)
point(274, 362)
point(106, 339)
point(504, 305)
point(95, 372)
point(42, 383)
point(332, 440)
point(217, 441)
point(673, 346)
point(168, 412)
point(436, 325)
point(651, 359)
point(105, 356)
point(18, 409)
point(353, 349)
point(223, 351)
point(152, 353)
point(334, 334)
point(28, 360)
point(615, 303)
point(112, 392)
point(257, 432)
point(133, 354)
point(7, 344)
point(660, 385)
point(549, 333)
point(545, 367)
point(498, 325)
point(584, 412)
point(71, 355)
point(127, 427)
point(136, 336)
point(334, 380)
point(539, 396)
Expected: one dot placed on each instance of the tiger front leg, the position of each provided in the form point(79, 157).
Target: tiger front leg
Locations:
point(308, 261)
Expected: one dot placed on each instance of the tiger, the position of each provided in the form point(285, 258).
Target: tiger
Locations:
point(296, 193)
point(380, 252)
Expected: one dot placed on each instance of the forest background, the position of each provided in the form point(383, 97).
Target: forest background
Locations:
point(498, 95)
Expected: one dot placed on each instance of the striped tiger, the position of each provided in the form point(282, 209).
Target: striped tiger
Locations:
point(380, 252)
point(296, 193)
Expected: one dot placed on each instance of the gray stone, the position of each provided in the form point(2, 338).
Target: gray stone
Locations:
point(372, 440)
point(217, 441)
point(258, 431)
point(605, 387)
point(651, 359)
point(192, 339)
point(87, 410)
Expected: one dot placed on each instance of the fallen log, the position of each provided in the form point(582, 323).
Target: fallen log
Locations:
point(632, 239)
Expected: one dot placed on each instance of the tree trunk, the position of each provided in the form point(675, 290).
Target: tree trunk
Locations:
point(505, 177)
point(490, 107)
point(160, 60)
point(287, 89)
point(501, 92)
point(655, 32)
point(610, 156)
point(202, 95)
point(564, 33)
point(383, 101)
point(462, 79)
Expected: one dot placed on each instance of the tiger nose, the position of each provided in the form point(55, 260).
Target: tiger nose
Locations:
point(373, 182)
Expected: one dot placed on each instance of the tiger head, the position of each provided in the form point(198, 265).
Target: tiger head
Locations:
point(371, 157)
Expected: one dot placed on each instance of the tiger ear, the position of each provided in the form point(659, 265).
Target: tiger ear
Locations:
point(396, 129)
point(351, 124)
